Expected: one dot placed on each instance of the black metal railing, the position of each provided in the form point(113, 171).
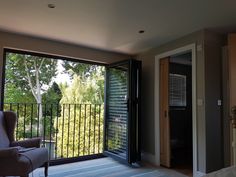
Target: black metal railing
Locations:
point(67, 130)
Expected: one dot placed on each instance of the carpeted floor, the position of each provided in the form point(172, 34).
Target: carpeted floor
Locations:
point(105, 167)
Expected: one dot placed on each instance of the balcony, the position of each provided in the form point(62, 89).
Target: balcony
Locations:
point(68, 131)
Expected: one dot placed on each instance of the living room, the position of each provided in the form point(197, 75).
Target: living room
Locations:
point(107, 33)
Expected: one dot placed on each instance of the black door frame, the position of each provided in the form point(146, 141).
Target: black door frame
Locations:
point(133, 103)
point(133, 152)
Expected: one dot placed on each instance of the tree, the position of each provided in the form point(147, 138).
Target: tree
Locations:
point(52, 97)
point(30, 73)
point(51, 108)
point(92, 74)
point(14, 94)
point(80, 126)
point(80, 69)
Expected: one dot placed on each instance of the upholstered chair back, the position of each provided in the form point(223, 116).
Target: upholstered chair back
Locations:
point(7, 126)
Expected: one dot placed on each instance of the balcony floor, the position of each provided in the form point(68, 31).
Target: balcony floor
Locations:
point(105, 167)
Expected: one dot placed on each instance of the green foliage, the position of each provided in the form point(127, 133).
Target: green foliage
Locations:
point(52, 98)
point(25, 77)
point(14, 94)
point(87, 91)
point(80, 130)
point(80, 127)
point(91, 78)
point(72, 113)
point(80, 69)
point(53, 95)
point(16, 71)
point(51, 108)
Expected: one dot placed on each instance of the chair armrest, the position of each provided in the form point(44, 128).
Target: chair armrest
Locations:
point(34, 142)
point(9, 153)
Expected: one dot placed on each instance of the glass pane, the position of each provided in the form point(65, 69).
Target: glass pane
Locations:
point(117, 113)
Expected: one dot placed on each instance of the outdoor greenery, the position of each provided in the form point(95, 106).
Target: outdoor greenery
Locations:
point(28, 74)
point(67, 113)
point(82, 123)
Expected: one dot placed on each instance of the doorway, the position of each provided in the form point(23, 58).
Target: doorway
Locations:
point(176, 112)
point(180, 113)
point(168, 149)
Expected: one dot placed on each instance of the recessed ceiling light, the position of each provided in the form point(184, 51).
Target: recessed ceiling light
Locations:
point(51, 6)
point(141, 31)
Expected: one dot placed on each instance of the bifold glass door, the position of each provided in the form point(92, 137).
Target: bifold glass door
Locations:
point(122, 111)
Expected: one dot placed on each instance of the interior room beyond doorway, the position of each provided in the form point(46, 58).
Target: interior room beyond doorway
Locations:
point(180, 113)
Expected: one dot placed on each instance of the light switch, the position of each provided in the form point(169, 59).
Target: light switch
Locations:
point(199, 48)
point(199, 102)
point(219, 102)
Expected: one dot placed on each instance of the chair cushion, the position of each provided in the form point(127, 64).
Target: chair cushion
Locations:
point(37, 157)
point(4, 141)
point(26, 163)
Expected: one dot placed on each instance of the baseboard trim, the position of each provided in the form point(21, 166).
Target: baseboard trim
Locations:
point(148, 157)
point(200, 174)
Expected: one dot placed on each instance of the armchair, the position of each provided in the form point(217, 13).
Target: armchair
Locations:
point(13, 162)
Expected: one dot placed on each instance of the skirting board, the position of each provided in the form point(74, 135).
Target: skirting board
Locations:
point(200, 174)
point(148, 158)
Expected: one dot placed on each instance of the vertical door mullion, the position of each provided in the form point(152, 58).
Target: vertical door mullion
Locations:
point(106, 109)
point(129, 107)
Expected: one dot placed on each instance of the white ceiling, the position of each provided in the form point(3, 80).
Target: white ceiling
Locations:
point(114, 24)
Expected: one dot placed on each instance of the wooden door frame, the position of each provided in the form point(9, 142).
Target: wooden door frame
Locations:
point(188, 48)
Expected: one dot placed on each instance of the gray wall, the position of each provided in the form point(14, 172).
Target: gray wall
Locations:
point(208, 159)
point(213, 92)
point(226, 108)
point(23, 42)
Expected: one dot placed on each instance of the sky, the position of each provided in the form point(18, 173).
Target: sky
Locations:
point(61, 77)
